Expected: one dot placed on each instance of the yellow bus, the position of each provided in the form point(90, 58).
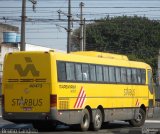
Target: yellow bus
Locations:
point(81, 88)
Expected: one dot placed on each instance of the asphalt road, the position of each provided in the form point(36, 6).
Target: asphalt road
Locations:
point(151, 125)
point(116, 127)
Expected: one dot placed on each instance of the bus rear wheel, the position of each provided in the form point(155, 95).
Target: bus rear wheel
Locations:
point(139, 121)
point(85, 121)
point(97, 120)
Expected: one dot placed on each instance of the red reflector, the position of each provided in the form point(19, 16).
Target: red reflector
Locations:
point(53, 101)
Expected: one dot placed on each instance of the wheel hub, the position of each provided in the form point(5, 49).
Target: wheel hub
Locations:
point(139, 117)
point(97, 120)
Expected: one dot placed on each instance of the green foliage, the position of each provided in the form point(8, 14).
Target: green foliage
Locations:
point(136, 37)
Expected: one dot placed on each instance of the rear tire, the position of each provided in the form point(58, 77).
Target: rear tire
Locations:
point(139, 121)
point(85, 121)
point(97, 120)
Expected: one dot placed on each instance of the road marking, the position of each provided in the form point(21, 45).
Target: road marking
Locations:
point(0, 116)
point(152, 121)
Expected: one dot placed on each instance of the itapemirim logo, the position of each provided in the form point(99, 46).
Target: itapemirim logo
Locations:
point(29, 68)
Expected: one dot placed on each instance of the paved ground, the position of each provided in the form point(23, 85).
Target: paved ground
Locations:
point(116, 127)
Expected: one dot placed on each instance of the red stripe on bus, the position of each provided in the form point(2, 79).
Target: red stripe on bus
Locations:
point(78, 97)
point(81, 97)
point(83, 101)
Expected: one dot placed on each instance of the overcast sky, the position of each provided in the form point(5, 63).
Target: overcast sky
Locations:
point(45, 29)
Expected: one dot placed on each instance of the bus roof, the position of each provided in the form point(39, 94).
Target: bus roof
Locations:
point(100, 58)
point(101, 55)
point(93, 57)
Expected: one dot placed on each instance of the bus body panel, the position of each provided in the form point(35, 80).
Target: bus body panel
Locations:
point(26, 82)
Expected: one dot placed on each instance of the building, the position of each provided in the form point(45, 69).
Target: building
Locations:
point(6, 47)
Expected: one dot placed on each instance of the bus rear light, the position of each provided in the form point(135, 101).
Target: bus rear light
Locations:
point(53, 101)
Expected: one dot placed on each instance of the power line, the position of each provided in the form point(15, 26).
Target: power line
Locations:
point(91, 7)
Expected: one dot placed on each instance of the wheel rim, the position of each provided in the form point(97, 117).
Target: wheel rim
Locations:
point(85, 120)
point(97, 120)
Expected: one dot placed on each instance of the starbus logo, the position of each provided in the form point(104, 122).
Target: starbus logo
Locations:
point(28, 68)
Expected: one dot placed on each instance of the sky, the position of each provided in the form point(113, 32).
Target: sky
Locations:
point(45, 28)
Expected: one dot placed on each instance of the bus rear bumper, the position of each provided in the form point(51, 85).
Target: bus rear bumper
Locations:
point(63, 116)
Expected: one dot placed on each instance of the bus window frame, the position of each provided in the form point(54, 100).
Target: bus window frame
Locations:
point(100, 82)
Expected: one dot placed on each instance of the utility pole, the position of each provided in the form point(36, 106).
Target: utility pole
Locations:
point(23, 23)
point(69, 27)
point(84, 34)
point(23, 20)
point(81, 27)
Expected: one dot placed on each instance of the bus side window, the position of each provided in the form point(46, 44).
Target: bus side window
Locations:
point(85, 72)
point(92, 72)
point(134, 76)
point(61, 67)
point(99, 73)
point(123, 75)
point(112, 78)
point(139, 77)
point(70, 71)
point(106, 74)
point(143, 74)
point(118, 74)
point(78, 70)
point(129, 74)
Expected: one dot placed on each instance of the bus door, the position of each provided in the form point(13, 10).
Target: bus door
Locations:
point(151, 95)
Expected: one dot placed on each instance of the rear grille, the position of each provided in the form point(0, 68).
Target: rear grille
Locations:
point(40, 80)
point(27, 80)
point(63, 105)
point(13, 80)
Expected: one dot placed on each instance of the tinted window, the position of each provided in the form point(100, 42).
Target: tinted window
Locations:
point(111, 74)
point(134, 76)
point(99, 73)
point(139, 76)
point(123, 75)
point(70, 71)
point(85, 72)
point(143, 74)
point(92, 72)
point(118, 76)
point(129, 72)
point(61, 66)
point(78, 72)
point(106, 74)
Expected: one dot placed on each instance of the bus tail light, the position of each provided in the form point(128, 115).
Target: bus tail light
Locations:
point(53, 101)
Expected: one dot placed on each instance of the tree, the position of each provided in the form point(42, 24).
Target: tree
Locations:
point(136, 37)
